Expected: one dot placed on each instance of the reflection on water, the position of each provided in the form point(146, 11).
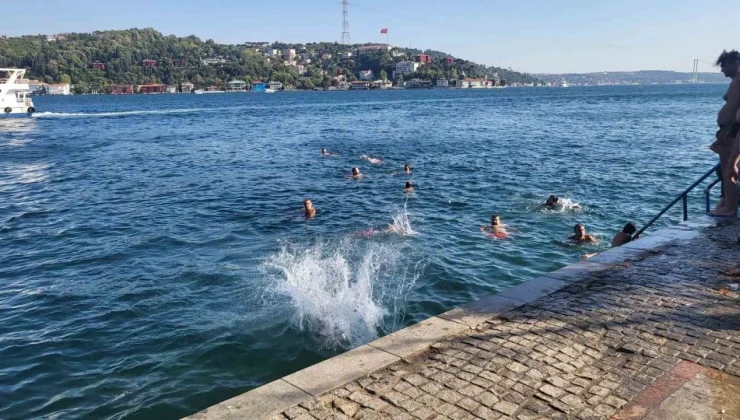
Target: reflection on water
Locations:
point(16, 126)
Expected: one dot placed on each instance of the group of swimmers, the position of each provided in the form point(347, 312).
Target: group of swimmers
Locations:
point(496, 229)
point(627, 234)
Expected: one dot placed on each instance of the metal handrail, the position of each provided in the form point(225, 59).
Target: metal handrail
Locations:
point(685, 197)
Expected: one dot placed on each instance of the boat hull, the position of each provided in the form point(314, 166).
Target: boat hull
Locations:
point(15, 115)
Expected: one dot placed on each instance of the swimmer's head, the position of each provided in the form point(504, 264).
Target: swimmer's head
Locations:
point(407, 168)
point(323, 150)
point(307, 204)
point(408, 185)
point(579, 229)
point(355, 171)
point(495, 220)
point(629, 228)
point(552, 201)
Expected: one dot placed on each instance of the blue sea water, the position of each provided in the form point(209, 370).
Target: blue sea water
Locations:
point(154, 259)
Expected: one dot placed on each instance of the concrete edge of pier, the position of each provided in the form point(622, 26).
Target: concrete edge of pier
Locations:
point(289, 391)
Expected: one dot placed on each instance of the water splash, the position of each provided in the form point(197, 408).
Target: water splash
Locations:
point(344, 292)
point(401, 224)
point(123, 113)
point(565, 205)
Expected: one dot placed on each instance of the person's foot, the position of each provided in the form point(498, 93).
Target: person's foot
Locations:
point(720, 205)
point(723, 212)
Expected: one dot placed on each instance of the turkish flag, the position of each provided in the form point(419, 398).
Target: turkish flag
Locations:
point(384, 31)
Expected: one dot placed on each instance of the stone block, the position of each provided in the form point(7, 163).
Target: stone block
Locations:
point(478, 312)
point(339, 370)
point(261, 402)
point(418, 337)
point(533, 289)
point(577, 271)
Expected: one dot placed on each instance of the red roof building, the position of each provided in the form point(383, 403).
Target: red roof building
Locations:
point(149, 63)
point(153, 88)
point(98, 65)
point(121, 89)
point(424, 58)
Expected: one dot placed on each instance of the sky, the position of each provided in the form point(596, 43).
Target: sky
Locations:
point(533, 36)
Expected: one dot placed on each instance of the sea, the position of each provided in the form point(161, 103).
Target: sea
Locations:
point(155, 258)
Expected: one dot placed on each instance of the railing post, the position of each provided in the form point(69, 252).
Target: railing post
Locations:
point(685, 207)
point(706, 197)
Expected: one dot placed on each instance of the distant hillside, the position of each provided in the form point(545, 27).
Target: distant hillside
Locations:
point(94, 61)
point(643, 77)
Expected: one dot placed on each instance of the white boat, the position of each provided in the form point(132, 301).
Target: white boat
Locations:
point(14, 99)
point(563, 84)
point(201, 91)
point(269, 90)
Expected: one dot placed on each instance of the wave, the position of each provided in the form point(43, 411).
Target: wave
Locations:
point(344, 291)
point(123, 113)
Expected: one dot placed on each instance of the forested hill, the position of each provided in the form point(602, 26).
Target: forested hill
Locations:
point(72, 58)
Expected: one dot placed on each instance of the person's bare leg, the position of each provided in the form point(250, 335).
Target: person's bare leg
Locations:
point(733, 271)
point(721, 209)
point(729, 184)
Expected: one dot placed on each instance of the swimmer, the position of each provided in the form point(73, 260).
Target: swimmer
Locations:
point(373, 160)
point(409, 187)
point(391, 228)
point(309, 209)
point(324, 152)
point(625, 235)
point(497, 228)
point(581, 236)
point(552, 202)
point(356, 173)
point(407, 169)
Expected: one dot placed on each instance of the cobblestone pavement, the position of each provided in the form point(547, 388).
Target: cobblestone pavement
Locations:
point(583, 352)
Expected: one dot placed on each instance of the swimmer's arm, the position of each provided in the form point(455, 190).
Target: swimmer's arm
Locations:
point(592, 239)
point(587, 256)
point(484, 228)
point(513, 229)
point(726, 116)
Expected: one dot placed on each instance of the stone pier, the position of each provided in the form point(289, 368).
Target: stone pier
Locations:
point(648, 330)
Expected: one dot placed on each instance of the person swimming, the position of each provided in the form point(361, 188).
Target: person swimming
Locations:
point(497, 229)
point(581, 236)
point(373, 160)
point(407, 169)
point(409, 187)
point(356, 173)
point(625, 235)
point(552, 202)
point(309, 209)
point(324, 152)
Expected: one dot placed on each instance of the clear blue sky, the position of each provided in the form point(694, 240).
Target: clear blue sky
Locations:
point(536, 36)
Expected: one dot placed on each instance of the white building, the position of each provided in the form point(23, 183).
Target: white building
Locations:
point(170, 88)
point(213, 60)
point(366, 75)
point(290, 55)
point(270, 52)
point(443, 83)
point(275, 85)
point(58, 89)
point(406, 67)
point(187, 87)
point(237, 85)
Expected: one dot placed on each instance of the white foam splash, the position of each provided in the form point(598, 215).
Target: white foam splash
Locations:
point(565, 205)
point(344, 292)
point(401, 224)
point(122, 113)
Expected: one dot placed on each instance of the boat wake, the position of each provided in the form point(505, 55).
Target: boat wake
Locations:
point(344, 291)
point(122, 113)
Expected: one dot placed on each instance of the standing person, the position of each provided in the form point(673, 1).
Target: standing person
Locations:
point(724, 146)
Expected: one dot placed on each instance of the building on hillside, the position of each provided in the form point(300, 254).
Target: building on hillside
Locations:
point(381, 84)
point(326, 56)
point(275, 86)
point(187, 87)
point(259, 44)
point(98, 65)
point(149, 63)
point(424, 59)
point(398, 53)
point(406, 67)
point(301, 69)
point(150, 88)
point(58, 89)
point(443, 83)
point(290, 55)
point(271, 52)
point(373, 47)
point(121, 89)
point(360, 85)
point(52, 38)
point(237, 86)
point(366, 75)
point(170, 89)
point(35, 86)
point(346, 54)
point(449, 60)
point(258, 86)
point(213, 60)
